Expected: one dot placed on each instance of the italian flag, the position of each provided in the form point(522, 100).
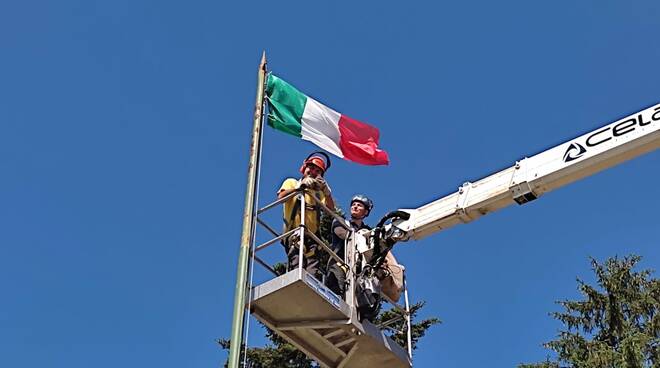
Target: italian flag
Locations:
point(290, 111)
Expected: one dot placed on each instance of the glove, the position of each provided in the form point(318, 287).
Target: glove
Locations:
point(308, 182)
point(323, 186)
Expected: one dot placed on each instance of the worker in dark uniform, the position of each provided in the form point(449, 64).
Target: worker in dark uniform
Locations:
point(361, 206)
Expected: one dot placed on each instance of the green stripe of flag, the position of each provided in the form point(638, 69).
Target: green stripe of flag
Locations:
point(286, 106)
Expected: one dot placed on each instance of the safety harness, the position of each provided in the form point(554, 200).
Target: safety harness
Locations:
point(292, 216)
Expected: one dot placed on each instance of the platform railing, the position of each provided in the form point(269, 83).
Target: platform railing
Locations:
point(349, 253)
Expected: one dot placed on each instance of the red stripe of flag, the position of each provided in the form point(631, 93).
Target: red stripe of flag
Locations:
point(358, 142)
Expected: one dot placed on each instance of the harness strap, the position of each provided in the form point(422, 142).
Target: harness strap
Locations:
point(292, 216)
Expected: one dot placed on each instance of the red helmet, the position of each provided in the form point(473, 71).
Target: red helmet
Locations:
point(314, 159)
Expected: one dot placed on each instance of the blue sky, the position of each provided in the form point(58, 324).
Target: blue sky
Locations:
point(124, 133)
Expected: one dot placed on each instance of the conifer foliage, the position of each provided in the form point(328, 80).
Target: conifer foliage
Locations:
point(617, 324)
point(398, 329)
point(279, 353)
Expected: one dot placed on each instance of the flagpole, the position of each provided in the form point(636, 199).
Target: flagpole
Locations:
point(248, 222)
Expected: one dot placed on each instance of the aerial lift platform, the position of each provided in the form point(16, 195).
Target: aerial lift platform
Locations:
point(323, 325)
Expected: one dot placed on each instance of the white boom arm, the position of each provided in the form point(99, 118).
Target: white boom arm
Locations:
point(531, 177)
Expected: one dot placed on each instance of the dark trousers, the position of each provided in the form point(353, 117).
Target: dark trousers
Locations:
point(335, 279)
point(311, 262)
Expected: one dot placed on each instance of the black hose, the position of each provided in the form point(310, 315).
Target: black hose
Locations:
point(403, 215)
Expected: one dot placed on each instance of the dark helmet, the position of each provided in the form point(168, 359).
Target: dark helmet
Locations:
point(368, 204)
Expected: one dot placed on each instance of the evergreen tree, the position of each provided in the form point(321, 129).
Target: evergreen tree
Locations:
point(398, 329)
point(616, 325)
point(278, 353)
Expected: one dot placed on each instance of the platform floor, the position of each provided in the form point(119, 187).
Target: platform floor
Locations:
point(318, 322)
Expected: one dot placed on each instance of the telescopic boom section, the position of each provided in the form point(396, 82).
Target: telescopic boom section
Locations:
point(531, 177)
